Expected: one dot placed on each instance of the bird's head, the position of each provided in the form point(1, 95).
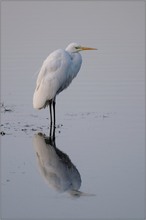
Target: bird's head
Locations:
point(74, 48)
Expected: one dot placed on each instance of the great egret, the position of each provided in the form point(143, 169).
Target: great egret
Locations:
point(56, 73)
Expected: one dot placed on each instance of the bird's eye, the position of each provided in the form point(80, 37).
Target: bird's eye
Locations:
point(77, 48)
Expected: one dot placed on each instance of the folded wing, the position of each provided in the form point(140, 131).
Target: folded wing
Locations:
point(52, 77)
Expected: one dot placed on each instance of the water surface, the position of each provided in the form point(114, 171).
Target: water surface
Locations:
point(96, 169)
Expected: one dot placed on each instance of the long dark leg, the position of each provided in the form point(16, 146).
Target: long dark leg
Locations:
point(54, 113)
point(50, 107)
point(53, 133)
point(52, 118)
point(51, 121)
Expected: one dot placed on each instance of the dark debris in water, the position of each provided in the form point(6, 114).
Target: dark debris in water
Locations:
point(4, 108)
point(17, 127)
point(59, 126)
point(2, 133)
point(83, 115)
point(27, 129)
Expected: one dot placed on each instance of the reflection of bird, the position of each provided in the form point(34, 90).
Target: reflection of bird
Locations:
point(56, 73)
point(55, 166)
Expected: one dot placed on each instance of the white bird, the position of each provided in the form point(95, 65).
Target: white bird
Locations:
point(56, 73)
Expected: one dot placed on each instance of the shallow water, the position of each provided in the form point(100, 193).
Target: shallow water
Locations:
point(95, 167)
point(106, 147)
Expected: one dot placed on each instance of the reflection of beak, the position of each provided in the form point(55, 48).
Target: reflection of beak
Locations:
point(77, 193)
point(87, 48)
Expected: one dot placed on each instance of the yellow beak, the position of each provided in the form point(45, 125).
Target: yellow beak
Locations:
point(87, 48)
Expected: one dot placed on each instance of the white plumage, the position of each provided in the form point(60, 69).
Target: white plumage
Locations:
point(56, 73)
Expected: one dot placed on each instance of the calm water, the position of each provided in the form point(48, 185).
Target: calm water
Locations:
point(105, 146)
point(95, 168)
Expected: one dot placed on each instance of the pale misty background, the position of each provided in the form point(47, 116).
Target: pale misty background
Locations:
point(101, 116)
